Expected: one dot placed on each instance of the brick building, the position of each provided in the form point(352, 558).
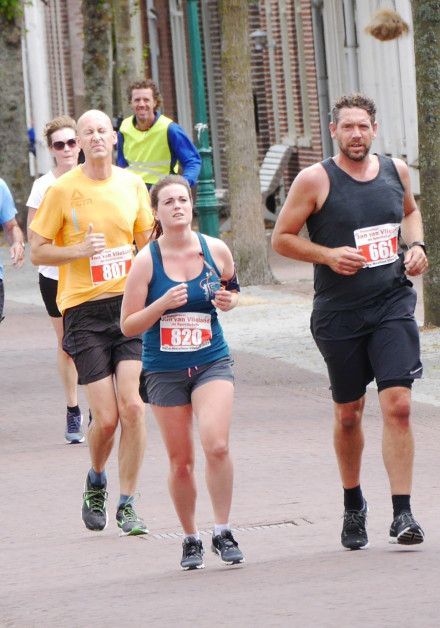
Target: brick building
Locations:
point(304, 53)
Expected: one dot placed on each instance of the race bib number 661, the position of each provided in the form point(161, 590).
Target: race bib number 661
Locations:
point(378, 244)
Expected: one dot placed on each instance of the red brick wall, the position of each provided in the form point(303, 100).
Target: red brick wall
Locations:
point(60, 75)
point(165, 60)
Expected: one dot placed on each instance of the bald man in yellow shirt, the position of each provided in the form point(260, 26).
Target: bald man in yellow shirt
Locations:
point(86, 225)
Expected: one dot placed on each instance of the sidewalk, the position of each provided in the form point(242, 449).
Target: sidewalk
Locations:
point(287, 503)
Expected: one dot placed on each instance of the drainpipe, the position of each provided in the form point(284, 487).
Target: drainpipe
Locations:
point(321, 77)
point(351, 45)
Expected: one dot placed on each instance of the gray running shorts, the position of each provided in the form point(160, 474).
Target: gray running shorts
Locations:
point(174, 388)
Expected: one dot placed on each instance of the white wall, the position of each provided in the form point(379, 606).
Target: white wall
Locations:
point(386, 73)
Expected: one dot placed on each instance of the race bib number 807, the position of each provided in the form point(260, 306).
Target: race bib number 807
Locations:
point(111, 264)
point(378, 244)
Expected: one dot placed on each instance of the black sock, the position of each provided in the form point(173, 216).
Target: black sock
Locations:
point(401, 504)
point(73, 409)
point(353, 498)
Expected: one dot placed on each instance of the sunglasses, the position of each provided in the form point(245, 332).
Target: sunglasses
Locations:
point(60, 145)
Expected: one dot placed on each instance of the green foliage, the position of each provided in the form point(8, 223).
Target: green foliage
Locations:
point(11, 9)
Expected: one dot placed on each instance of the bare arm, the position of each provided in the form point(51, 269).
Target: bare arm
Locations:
point(416, 262)
point(142, 238)
point(31, 215)
point(43, 251)
point(306, 195)
point(15, 238)
point(225, 300)
point(135, 317)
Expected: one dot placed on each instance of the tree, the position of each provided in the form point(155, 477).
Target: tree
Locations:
point(248, 232)
point(98, 55)
point(14, 156)
point(426, 19)
point(125, 68)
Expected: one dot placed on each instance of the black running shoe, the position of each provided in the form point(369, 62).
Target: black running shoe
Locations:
point(354, 532)
point(227, 548)
point(128, 521)
point(192, 556)
point(405, 530)
point(94, 513)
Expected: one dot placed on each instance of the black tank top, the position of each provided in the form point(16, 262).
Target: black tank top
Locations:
point(352, 205)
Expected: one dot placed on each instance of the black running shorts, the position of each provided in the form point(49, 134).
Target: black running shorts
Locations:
point(379, 341)
point(48, 289)
point(93, 337)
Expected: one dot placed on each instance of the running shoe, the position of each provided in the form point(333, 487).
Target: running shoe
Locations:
point(227, 548)
point(405, 530)
point(354, 531)
point(74, 431)
point(192, 556)
point(94, 513)
point(128, 521)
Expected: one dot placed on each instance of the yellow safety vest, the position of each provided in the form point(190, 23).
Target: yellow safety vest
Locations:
point(147, 152)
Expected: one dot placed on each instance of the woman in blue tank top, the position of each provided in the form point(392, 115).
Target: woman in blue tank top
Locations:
point(172, 294)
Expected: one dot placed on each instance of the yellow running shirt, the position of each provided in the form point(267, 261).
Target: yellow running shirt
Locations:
point(118, 207)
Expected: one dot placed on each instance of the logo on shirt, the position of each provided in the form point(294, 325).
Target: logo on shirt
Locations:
point(79, 199)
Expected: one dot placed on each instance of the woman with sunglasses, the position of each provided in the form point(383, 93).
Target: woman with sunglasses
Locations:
point(60, 135)
point(173, 291)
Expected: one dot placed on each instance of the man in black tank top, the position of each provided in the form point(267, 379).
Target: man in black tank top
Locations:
point(357, 205)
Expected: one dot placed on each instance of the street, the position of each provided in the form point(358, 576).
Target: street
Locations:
point(287, 505)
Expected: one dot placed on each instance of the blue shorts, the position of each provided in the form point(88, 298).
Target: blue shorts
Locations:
point(174, 388)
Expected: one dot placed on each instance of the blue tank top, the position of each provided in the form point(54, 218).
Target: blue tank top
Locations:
point(188, 336)
point(352, 206)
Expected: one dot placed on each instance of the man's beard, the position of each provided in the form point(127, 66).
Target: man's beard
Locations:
point(355, 156)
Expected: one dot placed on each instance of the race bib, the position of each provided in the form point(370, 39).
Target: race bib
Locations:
point(111, 264)
point(378, 244)
point(185, 331)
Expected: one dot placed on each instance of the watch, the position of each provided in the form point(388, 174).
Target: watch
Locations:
point(417, 243)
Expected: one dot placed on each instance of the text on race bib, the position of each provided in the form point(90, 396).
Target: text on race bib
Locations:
point(185, 331)
point(378, 244)
point(111, 264)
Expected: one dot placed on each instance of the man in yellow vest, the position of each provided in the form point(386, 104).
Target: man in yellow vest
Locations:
point(152, 145)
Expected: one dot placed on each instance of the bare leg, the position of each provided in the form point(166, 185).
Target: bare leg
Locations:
point(102, 401)
point(66, 366)
point(212, 405)
point(348, 440)
point(131, 410)
point(176, 428)
point(398, 440)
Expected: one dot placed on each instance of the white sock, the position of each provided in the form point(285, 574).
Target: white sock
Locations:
point(220, 527)
point(194, 535)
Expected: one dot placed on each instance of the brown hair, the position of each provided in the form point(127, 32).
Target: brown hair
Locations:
point(60, 122)
point(170, 179)
point(354, 100)
point(146, 84)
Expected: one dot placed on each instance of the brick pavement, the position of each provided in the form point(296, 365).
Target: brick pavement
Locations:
point(287, 503)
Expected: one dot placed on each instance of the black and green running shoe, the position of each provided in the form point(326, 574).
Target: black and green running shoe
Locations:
point(128, 521)
point(94, 513)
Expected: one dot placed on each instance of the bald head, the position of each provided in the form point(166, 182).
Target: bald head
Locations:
point(94, 116)
point(96, 138)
